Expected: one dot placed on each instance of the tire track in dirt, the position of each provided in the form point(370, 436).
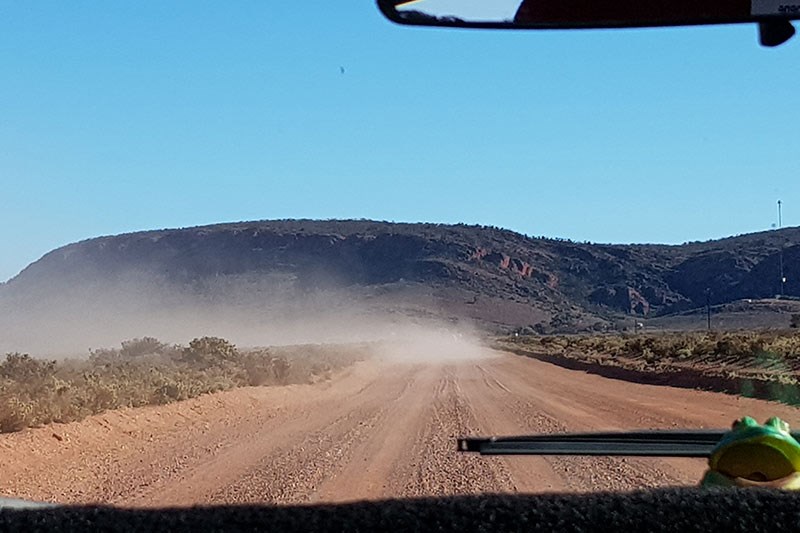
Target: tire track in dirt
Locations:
point(370, 471)
point(522, 403)
point(199, 479)
point(433, 466)
point(575, 401)
point(295, 471)
point(507, 412)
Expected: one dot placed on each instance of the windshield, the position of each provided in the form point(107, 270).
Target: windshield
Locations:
point(290, 253)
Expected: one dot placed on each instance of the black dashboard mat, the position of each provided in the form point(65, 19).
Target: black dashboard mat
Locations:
point(730, 510)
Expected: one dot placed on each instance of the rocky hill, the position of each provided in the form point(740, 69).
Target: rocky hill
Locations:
point(495, 277)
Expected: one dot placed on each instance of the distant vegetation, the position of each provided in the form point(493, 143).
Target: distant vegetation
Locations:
point(764, 364)
point(746, 347)
point(146, 371)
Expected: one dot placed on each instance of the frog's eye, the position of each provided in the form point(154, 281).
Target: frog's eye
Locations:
point(744, 422)
point(778, 424)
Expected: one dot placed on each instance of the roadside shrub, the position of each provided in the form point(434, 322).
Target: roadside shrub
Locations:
point(262, 367)
point(131, 349)
point(34, 392)
point(746, 347)
point(143, 346)
point(22, 367)
point(207, 351)
point(14, 414)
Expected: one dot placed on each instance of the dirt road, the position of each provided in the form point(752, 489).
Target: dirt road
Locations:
point(376, 430)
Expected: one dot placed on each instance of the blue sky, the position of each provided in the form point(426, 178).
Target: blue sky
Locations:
point(119, 116)
point(471, 10)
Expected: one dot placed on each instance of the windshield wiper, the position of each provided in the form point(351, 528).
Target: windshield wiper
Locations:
point(666, 443)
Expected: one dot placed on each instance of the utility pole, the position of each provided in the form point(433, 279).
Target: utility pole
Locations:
point(783, 276)
point(708, 309)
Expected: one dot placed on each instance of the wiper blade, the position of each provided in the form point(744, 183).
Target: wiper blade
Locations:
point(667, 443)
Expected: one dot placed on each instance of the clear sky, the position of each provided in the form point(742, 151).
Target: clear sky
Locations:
point(472, 10)
point(121, 116)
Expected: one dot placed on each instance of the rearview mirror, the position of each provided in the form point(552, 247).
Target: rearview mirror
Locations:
point(772, 16)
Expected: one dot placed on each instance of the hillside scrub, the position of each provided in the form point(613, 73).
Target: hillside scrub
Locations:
point(145, 371)
point(747, 348)
point(762, 364)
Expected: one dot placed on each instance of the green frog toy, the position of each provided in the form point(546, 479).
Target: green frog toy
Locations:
point(752, 455)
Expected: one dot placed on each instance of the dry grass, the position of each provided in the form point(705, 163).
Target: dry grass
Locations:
point(746, 349)
point(147, 372)
point(763, 364)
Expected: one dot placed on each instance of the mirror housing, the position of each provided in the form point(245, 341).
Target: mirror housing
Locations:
point(772, 16)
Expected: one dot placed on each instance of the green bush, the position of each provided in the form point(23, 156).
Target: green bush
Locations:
point(208, 351)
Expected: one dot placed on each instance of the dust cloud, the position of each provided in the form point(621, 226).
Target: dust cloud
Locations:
point(431, 344)
point(69, 322)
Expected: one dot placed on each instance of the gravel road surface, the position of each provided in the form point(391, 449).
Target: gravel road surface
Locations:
point(376, 430)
